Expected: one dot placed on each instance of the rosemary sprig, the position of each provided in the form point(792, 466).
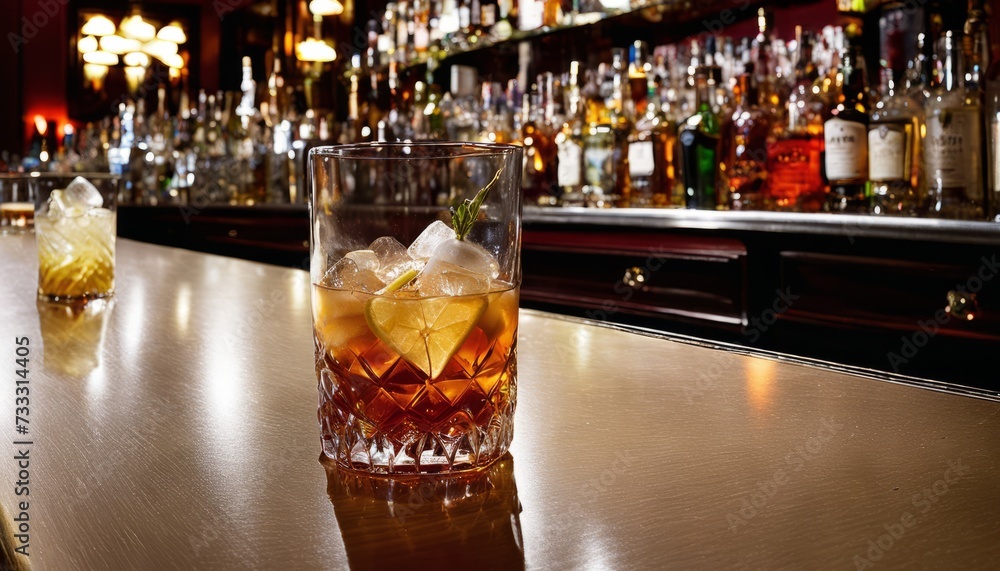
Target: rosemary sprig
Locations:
point(463, 217)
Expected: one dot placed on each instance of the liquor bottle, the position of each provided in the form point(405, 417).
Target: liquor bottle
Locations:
point(976, 44)
point(845, 138)
point(622, 114)
point(699, 138)
point(894, 150)
point(569, 143)
point(991, 110)
point(652, 155)
point(920, 72)
point(421, 30)
point(743, 150)
point(551, 13)
point(637, 76)
point(507, 13)
point(539, 171)
point(952, 152)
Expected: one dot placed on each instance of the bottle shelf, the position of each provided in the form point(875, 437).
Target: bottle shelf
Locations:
point(680, 14)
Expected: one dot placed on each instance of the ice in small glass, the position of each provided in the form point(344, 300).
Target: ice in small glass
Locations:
point(75, 232)
point(416, 342)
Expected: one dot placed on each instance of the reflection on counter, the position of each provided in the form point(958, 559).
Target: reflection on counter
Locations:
point(10, 558)
point(73, 334)
point(463, 522)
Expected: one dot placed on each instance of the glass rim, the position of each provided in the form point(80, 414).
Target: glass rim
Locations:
point(361, 151)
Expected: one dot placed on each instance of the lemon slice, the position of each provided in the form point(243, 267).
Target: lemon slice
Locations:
point(425, 332)
point(403, 279)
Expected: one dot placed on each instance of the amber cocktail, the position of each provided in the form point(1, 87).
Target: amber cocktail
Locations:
point(416, 336)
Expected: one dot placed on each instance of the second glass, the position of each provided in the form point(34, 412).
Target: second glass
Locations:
point(415, 271)
point(75, 228)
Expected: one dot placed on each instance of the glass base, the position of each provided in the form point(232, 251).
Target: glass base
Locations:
point(414, 439)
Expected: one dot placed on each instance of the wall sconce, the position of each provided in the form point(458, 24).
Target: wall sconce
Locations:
point(98, 26)
point(172, 32)
point(87, 44)
point(326, 7)
point(119, 45)
point(134, 76)
point(95, 75)
point(313, 50)
point(136, 28)
point(136, 59)
point(101, 58)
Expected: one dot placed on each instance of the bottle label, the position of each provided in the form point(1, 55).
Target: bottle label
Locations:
point(640, 159)
point(598, 167)
point(887, 153)
point(570, 157)
point(846, 149)
point(952, 139)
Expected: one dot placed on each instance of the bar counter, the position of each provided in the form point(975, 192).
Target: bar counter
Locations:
point(177, 429)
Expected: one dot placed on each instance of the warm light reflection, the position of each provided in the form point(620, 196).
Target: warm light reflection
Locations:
point(41, 125)
point(760, 382)
point(183, 310)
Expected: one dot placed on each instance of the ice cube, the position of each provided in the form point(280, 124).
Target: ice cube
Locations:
point(347, 275)
point(467, 255)
point(58, 205)
point(365, 259)
point(432, 236)
point(393, 258)
point(439, 278)
point(80, 193)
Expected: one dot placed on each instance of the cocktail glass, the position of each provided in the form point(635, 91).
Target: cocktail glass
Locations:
point(75, 228)
point(415, 270)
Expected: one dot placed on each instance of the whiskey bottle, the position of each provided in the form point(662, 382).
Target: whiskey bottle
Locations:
point(652, 155)
point(845, 138)
point(952, 152)
point(743, 152)
point(894, 150)
point(991, 110)
point(699, 139)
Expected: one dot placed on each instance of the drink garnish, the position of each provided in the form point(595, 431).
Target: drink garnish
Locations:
point(463, 217)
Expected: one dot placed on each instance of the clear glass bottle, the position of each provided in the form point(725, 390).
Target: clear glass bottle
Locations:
point(894, 150)
point(743, 151)
point(952, 153)
point(699, 139)
point(569, 143)
point(845, 139)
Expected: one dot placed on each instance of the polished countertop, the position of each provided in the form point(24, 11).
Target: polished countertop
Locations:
point(176, 429)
